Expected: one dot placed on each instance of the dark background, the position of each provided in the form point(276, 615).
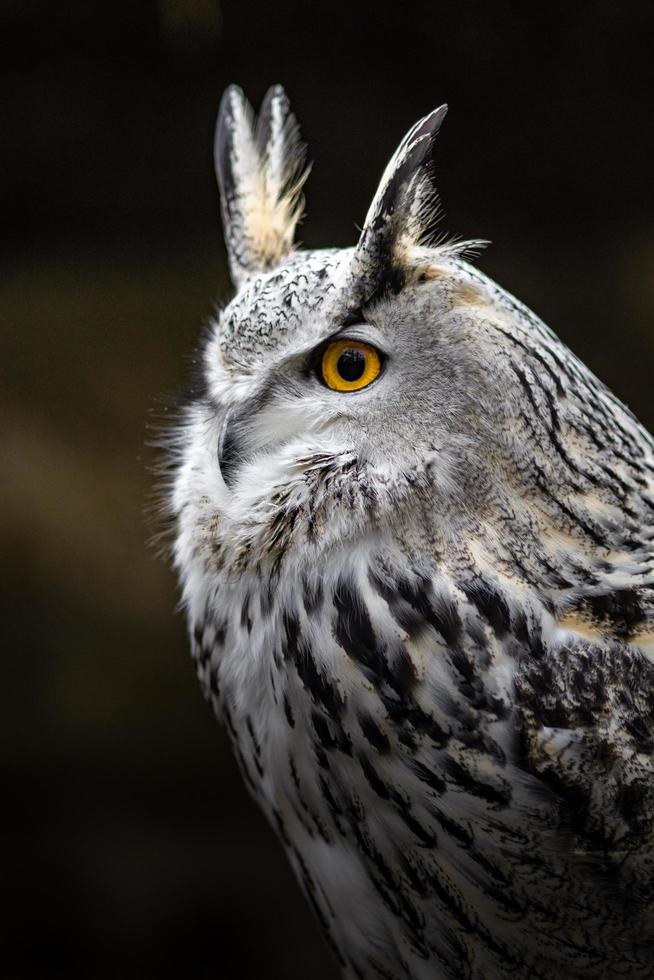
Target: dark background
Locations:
point(131, 847)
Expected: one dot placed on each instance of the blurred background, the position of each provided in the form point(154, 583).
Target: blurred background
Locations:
point(131, 848)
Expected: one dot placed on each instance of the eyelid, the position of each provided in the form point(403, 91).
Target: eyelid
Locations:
point(364, 332)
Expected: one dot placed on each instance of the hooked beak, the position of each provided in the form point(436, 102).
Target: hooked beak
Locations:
point(228, 454)
point(243, 436)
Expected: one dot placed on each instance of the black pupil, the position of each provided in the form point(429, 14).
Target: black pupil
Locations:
point(351, 364)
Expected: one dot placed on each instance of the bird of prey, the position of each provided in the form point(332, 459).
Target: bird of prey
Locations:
point(414, 539)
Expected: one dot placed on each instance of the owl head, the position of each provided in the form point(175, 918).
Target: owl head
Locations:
point(387, 385)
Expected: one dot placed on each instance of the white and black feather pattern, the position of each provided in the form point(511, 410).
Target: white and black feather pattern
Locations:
point(406, 206)
point(261, 167)
point(425, 610)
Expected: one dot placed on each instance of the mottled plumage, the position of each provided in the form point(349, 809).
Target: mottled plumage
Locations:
point(423, 610)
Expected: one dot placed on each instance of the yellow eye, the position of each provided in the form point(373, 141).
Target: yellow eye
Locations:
point(349, 365)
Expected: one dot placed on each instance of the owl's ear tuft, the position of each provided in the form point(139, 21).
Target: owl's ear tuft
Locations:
point(405, 210)
point(261, 167)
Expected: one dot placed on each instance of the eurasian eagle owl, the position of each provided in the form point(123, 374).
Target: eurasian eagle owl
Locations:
point(414, 536)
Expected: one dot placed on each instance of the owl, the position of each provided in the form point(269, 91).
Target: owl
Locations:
point(414, 540)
